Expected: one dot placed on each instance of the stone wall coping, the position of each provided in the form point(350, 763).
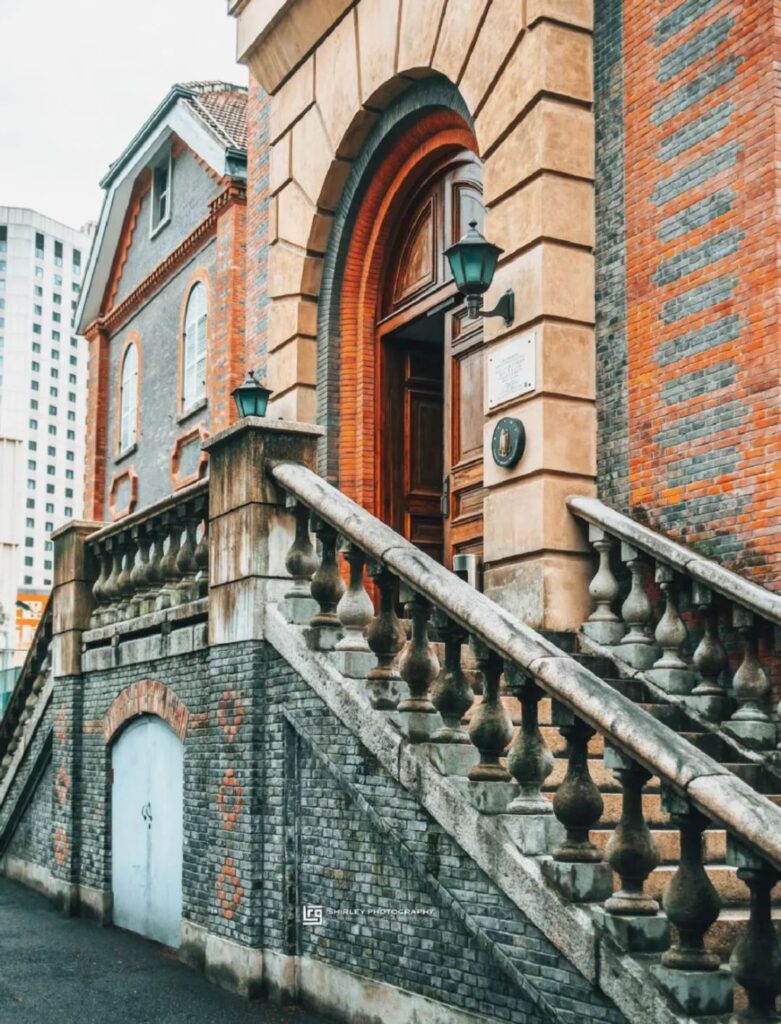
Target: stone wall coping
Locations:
point(145, 623)
point(728, 801)
point(150, 511)
point(78, 526)
point(757, 599)
point(262, 425)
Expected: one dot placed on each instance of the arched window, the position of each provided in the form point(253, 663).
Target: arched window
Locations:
point(194, 343)
point(128, 399)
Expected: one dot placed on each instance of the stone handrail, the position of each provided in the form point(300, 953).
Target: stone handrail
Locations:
point(723, 798)
point(157, 508)
point(710, 574)
point(31, 669)
point(155, 559)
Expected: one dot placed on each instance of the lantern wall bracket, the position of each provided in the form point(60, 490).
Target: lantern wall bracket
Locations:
point(504, 308)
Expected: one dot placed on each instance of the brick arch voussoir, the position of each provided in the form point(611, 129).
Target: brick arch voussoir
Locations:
point(425, 108)
point(145, 697)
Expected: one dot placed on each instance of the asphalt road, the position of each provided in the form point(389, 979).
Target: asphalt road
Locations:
point(57, 970)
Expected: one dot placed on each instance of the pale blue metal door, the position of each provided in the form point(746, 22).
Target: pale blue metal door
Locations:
point(146, 830)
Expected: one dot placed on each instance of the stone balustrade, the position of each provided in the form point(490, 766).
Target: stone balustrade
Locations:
point(399, 675)
point(154, 560)
point(695, 629)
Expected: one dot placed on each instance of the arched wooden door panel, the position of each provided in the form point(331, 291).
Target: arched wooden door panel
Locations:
point(430, 385)
point(147, 762)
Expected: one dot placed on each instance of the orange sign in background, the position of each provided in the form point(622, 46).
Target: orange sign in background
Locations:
point(30, 607)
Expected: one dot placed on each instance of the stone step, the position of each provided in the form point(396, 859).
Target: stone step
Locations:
point(596, 663)
point(725, 932)
point(669, 714)
point(754, 775)
point(634, 689)
point(709, 743)
point(724, 878)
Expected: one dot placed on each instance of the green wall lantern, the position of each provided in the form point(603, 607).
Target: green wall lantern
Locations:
point(473, 261)
point(251, 398)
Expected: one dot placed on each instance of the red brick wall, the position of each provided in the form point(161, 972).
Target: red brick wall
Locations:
point(701, 136)
point(227, 357)
point(96, 439)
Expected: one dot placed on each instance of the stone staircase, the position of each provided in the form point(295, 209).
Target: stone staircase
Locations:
point(653, 802)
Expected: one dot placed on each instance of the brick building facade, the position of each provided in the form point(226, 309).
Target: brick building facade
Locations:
point(622, 156)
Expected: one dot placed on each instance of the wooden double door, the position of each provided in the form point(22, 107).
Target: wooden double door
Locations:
point(430, 394)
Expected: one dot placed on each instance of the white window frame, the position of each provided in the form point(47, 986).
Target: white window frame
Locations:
point(128, 400)
point(194, 346)
point(154, 224)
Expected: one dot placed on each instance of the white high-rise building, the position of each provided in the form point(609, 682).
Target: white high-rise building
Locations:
point(43, 401)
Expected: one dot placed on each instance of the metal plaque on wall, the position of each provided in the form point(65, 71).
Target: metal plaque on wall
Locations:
point(511, 369)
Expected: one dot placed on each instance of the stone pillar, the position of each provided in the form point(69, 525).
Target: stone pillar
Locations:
point(250, 529)
point(75, 571)
point(250, 533)
point(540, 208)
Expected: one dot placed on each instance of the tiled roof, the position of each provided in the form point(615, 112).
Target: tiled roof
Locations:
point(223, 107)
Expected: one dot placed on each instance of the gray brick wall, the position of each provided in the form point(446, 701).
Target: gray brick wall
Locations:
point(312, 818)
point(611, 330)
point(157, 323)
point(192, 189)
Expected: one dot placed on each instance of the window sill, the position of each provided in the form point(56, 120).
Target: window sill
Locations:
point(125, 453)
point(191, 410)
point(156, 230)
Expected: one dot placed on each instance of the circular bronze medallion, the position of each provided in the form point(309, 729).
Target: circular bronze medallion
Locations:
point(508, 442)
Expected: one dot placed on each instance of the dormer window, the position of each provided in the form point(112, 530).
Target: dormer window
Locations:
point(161, 193)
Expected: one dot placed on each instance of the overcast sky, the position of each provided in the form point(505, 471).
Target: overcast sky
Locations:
point(79, 77)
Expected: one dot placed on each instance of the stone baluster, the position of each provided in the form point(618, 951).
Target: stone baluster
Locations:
point(167, 596)
point(690, 900)
point(103, 554)
point(326, 588)
point(301, 561)
point(355, 609)
point(578, 804)
point(185, 560)
point(385, 637)
point(709, 659)
point(756, 958)
point(138, 575)
point(127, 548)
point(491, 727)
point(603, 625)
point(452, 694)
point(111, 589)
point(751, 722)
point(631, 851)
point(577, 867)
point(636, 611)
point(202, 554)
point(671, 631)
point(155, 573)
point(670, 670)
point(528, 760)
point(418, 665)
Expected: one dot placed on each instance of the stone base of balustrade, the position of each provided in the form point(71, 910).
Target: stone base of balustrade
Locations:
point(604, 631)
point(299, 610)
point(639, 656)
point(636, 933)
point(488, 797)
point(452, 758)
point(323, 638)
point(417, 726)
point(679, 681)
point(754, 735)
point(697, 993)
point(354, 664)
point(534, 834)
point(712, 706)
point(580, 882)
